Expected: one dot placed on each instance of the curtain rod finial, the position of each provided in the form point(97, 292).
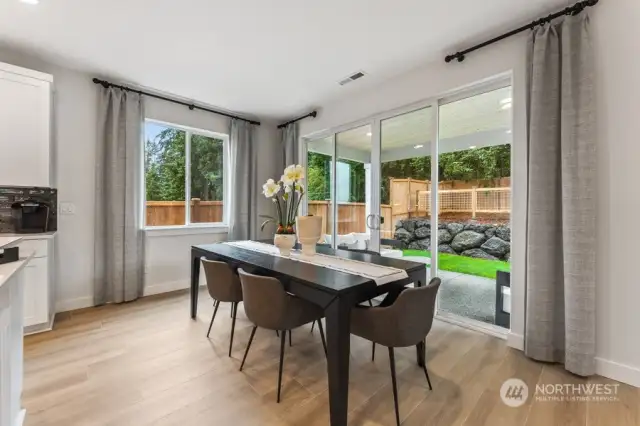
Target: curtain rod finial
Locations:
point(314, 114)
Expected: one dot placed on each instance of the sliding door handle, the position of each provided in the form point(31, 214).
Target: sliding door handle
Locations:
point(370, 224)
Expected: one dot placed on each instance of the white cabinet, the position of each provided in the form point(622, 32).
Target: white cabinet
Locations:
point(39, 282)
point(25, 127)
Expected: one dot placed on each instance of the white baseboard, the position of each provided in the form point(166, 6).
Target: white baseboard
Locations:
point(620, 372)
point(150, 290)
point(515, 341)
point(73, 304)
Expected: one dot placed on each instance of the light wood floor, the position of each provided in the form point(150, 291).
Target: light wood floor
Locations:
point(147, 363)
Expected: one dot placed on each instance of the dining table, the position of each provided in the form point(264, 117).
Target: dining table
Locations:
point(336, 291)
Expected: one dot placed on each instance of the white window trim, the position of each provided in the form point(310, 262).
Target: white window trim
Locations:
point(188, 227)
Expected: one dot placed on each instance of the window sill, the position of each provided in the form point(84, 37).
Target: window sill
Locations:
point(170, 231)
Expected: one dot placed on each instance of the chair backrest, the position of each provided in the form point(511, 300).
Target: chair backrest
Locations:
point(265, 300)
point(414, 310)
point(222, 283)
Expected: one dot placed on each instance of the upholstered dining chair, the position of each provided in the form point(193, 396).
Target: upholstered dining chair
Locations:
point(268, 305)
point(404, 323)
point(223, 286)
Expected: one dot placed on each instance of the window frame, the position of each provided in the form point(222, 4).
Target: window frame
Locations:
point(189, 131)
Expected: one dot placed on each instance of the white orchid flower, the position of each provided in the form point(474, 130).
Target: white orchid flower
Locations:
point(270, 188)
point(294, 173)
point(287, 189)
point(285, 180)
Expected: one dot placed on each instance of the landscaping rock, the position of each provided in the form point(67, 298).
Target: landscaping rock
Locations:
point(478, 254)
point(424, 244)
point(403, 235)
point(467, 240)
point(444, 236)
point(445, 248)
point(507, 257)
point(477, 227)
point(455, 228)
point(409, 225)
point(496, 247)
point(422, 223)
point(491, 232)
point(415, 246)
point(504, 233)
point(399, 224)
point(421, 233)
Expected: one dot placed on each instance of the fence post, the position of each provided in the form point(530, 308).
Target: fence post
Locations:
point(474, 201)
point(195, 210)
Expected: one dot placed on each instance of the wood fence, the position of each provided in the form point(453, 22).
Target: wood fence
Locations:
point(473, 201)
point(168, 213)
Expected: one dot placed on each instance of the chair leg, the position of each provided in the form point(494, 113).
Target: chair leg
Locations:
point(427, 376)
point(215, 311)
point(234, 306)
point(246, 351)
point(392, 364)
point(277, 334)
point(370, 303)
point(313, 325)
point(324, 342)
point(373, 352)
point(289, 338)
point(283, 336)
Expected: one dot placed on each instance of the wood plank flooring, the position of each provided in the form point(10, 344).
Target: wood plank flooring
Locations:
point(147, 363)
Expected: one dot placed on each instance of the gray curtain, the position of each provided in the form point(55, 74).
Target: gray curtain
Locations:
point(244, 187)
point(290, 144)
point(119, 257)
point(561, 245)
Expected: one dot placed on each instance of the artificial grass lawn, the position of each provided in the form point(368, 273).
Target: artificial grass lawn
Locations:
point(465, 265)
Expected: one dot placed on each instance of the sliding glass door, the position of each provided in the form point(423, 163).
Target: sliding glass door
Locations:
point(429, 183)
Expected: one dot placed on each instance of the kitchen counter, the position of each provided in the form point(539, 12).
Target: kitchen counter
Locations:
point(36, 236)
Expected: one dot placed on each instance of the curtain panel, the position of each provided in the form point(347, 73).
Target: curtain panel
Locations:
point(561, 234)
point(119, 239)
point(243, 203)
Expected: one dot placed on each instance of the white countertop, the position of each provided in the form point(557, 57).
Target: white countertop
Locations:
point(8, 270)
point(8, 241)
point(36, 236)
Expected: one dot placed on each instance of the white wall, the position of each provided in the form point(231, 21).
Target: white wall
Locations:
point(615, 34)
point(75, 123)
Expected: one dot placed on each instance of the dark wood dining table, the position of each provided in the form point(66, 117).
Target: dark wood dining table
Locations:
point(335, 291)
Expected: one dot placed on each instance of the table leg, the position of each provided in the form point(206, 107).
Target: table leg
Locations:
point(195, 280)
point(338, 316)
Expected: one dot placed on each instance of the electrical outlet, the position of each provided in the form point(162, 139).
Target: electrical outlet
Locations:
point(67, 208)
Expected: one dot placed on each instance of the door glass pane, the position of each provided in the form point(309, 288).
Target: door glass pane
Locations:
point(353, 194)
point(474, 197)
point(405, 181)
point(319, 169)
point(207, 179)
point(164, 169)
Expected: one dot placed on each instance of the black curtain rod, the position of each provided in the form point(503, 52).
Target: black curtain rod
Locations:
point(106, 84)
point(571, 10)
point(311, 114)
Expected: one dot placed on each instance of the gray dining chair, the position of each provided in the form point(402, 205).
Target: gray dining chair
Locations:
point(223, 286)
point(404, 323)
point(268, 305)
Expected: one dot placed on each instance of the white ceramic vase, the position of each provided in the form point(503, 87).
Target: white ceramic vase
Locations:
point(309, 230)
point(284, 242)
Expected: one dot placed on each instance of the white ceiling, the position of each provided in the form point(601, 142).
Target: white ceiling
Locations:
point(273, 58)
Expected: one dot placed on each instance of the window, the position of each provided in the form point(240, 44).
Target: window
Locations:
point(183, 164)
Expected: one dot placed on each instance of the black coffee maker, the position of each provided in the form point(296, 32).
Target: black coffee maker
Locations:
point(31, 216)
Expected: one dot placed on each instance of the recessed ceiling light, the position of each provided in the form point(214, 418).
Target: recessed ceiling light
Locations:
point(472, 147)
point(509, 131)
point(506, 101)
point(506, 106)
point(418, 146)
point(368, 133)
point(30, 1)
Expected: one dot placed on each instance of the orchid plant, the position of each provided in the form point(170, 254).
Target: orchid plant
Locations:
point(286, 195)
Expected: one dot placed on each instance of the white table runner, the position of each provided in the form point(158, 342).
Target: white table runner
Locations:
point(378, 273)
